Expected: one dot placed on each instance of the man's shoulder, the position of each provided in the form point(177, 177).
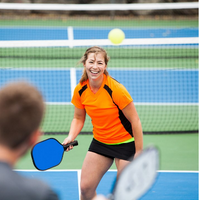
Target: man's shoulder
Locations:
point(15, 185)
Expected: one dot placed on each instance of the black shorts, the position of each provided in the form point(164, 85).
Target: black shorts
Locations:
point(123, 151)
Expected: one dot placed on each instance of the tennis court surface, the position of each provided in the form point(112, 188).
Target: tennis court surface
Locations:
point(65, 183)
point(158, 63)
point(178, 176)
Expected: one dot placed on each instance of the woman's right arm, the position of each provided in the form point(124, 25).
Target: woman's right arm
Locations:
point(76, 125)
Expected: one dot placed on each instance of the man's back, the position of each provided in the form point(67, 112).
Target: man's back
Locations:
point(15, 186)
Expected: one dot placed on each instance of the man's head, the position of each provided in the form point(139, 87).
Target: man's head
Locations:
point(21, 112)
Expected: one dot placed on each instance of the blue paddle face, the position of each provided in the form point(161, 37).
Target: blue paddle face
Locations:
point(47, 154)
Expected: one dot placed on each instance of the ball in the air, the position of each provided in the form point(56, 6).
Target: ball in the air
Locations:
point(116, 36)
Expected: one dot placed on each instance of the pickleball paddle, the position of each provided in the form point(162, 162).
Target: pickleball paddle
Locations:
point(49, 153)
point(137, 177)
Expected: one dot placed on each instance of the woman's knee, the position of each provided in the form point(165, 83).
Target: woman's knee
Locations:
point(87, 189)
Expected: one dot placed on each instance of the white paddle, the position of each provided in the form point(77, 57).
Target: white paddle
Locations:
point(138, 176)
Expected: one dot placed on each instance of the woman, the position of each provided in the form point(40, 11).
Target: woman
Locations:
point(117, 129)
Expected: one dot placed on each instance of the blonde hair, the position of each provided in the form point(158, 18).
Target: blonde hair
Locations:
point(96, 50)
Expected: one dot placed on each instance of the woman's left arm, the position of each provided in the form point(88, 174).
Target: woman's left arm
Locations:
point(132, 115)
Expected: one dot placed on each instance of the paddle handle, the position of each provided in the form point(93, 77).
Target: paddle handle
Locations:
point(74, 143)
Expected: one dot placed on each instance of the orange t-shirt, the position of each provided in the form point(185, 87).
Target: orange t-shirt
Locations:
point(105, 109)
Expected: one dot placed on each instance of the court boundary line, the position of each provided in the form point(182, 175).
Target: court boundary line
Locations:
point(109, 69)
point(110, 170)
point(72, 80)
point(97, 42)
point(70, 32)
point(79, 182)
point(136, 103)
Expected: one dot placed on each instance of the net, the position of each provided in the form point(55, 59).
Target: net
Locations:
point(157, 62)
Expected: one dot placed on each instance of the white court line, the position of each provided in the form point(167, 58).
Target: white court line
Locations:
point(58, 103)
point(72, 80)
point(79, 182)
point(110, 170)
point(150, 69)
point(177, 171)
point(97, 42)
point(109, 69)
point(166, 104)
point(50, 170)
point(70, 36)
point(136, 103)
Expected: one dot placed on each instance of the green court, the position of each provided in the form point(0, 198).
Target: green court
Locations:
point(177, 152)
point(175, 73)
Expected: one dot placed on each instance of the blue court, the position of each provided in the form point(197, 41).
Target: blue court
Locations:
point(59, 33)
point(168, 185)
point(145, 86)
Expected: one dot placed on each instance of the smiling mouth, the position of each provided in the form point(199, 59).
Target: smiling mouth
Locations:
point(94, 72)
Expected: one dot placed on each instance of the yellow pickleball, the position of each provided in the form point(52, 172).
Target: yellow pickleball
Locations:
point(116, 36)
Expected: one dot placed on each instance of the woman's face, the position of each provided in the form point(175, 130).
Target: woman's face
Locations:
point(95, 66)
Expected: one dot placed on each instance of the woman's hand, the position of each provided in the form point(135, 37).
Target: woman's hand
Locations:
point(66, 141)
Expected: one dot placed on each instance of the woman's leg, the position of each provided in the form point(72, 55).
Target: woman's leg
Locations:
point(93, 169)
point(120, 164)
